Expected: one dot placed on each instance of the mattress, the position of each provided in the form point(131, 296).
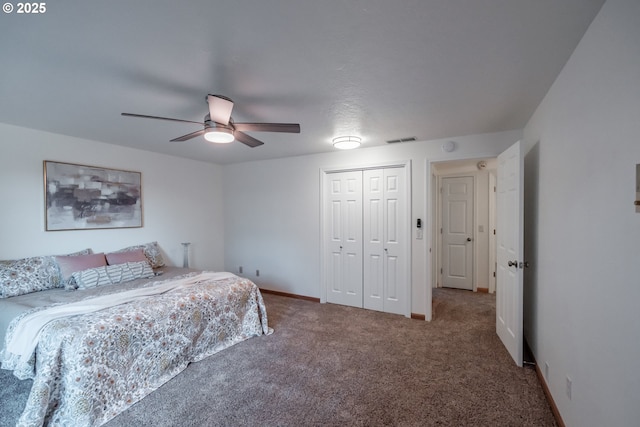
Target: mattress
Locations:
point(87, 368)
point(10, 308)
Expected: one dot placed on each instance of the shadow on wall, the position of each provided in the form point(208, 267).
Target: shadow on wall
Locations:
point(531, 206)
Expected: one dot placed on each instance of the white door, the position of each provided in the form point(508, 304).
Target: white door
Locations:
point(457, 232)
point(344, 227)
point(385, 233)
point(510, 250)
point(373, 221)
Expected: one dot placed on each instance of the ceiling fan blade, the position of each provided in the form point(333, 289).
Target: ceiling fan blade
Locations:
point(246, 139)
point(160, 118)
point(189, 135)
point(220, 108)
point(268, 127)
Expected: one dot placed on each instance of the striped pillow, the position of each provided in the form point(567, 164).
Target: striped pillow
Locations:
point(112, 274)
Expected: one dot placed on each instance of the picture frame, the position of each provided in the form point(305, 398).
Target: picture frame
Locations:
point(81, 197)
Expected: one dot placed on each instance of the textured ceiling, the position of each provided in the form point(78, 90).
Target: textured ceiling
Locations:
point(379, 69)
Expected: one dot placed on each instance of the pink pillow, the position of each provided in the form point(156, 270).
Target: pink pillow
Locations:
point(123, 257)
point(70, 264)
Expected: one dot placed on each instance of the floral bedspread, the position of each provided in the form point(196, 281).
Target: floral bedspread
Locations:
point(91, 367)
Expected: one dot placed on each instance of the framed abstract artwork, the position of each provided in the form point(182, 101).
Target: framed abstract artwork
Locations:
point(79, 197)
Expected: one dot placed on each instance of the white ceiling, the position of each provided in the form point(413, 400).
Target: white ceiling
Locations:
point(379, 69)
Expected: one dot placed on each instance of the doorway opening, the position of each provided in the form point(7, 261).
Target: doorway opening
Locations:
point(463, 209)
point(508, 247)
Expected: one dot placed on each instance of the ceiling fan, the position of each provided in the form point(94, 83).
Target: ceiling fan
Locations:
point(219, 126)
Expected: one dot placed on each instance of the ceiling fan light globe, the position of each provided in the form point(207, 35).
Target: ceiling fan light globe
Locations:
point(219, 136)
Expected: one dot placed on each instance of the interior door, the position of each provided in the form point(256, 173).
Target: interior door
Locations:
point(385, 234)
point(457, 232)
point(510, 250)
point(344, 225)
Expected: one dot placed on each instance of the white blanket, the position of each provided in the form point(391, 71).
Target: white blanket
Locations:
point(27, 332)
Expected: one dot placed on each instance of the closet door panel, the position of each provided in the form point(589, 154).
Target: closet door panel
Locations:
point(373, 219)
point(395, 241)
point(343, 222)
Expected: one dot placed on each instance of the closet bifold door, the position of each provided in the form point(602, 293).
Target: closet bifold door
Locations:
point(373, 237)
point(384, 240)
point(343, 222)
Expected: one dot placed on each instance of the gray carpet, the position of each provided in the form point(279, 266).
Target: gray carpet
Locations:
point(331, 365)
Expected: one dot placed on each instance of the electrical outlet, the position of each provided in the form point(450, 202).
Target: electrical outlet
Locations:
point(569, 384)
point(240, 269)
point(546, 372)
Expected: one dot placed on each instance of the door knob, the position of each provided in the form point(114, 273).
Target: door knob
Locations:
point(468, 239)
point(513, 264)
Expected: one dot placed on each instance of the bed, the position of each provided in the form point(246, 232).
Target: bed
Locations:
point(91, 358)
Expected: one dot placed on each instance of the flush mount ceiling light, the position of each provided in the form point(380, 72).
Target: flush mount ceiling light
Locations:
point(219, 135)
point(347, 142)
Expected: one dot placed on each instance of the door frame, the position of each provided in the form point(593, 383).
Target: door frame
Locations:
point(431, 210)
point(404, 164)
point(493, 250)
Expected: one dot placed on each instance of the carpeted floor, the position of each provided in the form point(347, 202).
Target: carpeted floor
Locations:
point(328, 365)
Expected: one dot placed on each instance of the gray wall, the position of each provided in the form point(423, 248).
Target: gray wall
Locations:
point(272, 211)
point(181, 199)
point(582, 232)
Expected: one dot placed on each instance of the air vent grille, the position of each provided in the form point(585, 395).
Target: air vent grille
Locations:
point(395, 141)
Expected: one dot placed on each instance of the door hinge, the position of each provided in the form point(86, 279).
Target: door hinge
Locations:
point(494, 231)
point(494, 274)
point(441, 271)
point(440, 230)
